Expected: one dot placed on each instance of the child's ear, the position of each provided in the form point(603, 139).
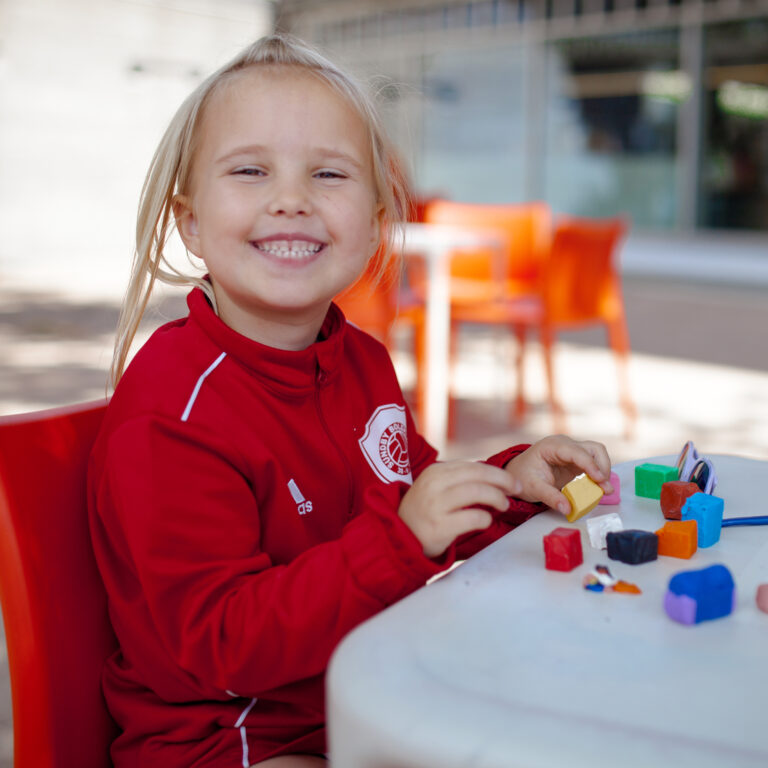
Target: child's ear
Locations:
point(377, 228)
point(186, 223)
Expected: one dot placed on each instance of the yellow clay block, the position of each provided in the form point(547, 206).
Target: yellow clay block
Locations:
point(584, 495)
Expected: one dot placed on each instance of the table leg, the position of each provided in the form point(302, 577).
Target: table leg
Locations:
point(437, 350)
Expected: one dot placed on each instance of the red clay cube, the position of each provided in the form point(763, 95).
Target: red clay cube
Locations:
point(562, 549)
point(674, 494)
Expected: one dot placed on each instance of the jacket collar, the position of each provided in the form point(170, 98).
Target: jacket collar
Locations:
point(292, 372)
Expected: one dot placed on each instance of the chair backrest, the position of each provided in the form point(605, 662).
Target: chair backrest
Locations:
point(525, 228)
point(54, 605)
point(582, 283)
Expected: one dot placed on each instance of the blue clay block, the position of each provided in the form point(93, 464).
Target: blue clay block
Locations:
point(696, 596)
point(707, 511)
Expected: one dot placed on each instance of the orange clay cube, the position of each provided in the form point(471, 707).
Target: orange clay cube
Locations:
point(678, 538)
point(674, 493)
point(584, 495)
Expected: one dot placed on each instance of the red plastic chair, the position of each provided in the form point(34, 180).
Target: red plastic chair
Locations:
point(54, 605)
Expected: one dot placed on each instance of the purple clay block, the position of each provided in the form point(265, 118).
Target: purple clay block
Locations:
point(681, 608)
point(615, 497)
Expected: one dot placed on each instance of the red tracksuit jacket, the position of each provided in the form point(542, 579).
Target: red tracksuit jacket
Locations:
point(243, 506)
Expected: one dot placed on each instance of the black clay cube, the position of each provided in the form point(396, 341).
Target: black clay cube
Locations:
point(632, 546)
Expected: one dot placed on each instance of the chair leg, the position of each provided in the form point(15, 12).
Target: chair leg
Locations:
point(520, 405)
point(558, 414)
point(618, 338)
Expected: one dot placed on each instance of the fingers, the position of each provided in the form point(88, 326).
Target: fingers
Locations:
point(473, 481)
point(442, 503)
point(587, 456)
point(454, 525)
point(600, 456)
point(549, 495)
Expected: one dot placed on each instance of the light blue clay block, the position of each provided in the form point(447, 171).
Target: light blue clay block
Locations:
point(707, 511)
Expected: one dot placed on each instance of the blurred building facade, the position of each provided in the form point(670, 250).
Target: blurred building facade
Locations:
point(653, 108)
point(87, 88)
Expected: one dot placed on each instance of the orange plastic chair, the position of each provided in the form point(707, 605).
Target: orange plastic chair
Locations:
point(580, 286)
point(379, 304)
point(480, 277)
point(525, 230)
point(54, 605)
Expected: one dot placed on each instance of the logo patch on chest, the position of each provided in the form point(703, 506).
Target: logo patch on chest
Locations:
point(385, 444)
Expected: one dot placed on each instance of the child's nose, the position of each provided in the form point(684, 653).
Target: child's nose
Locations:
point(290, 198)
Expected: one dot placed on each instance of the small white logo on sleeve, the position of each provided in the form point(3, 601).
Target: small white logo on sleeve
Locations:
point(385, 444)
point(302, 505)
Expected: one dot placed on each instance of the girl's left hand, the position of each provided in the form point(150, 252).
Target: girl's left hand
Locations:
point(544, 468)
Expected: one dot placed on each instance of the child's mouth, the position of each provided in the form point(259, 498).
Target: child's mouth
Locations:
point(289, 250)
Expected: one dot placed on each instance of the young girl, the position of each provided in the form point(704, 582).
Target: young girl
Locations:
point(259, 488)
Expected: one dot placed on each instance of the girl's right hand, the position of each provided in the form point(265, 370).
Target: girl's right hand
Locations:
point(442, 502)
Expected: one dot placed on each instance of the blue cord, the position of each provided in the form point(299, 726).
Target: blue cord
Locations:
point(760, 520)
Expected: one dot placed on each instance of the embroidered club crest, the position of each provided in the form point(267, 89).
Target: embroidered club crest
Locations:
point(385, 444)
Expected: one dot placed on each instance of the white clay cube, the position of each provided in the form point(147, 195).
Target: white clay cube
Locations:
point(598, 527)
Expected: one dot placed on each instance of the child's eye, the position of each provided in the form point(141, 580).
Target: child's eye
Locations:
point(327, 174)
point(248, 170)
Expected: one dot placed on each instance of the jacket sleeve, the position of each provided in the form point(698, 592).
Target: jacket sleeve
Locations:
point(516, 513)
point(183, 542)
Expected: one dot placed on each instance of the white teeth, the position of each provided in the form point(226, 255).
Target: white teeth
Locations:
point(289, 249)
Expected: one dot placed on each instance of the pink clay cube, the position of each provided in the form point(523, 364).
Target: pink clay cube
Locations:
point(615, 497)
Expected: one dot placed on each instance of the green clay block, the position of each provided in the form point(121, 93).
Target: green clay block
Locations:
point(650, 477)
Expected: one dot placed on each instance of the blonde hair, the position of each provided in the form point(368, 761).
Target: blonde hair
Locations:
point(170, 171)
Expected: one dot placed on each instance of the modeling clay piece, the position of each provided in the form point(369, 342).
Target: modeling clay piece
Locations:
point(674, 494)
point(695, 596)
point(601, 578)
point(615, 497)
point(562, 549)
point(591, 582)
point(707, 511)
point(677, 538)
point(650, 477)
point(584, 494)
point(632, 547)
point(761, 598)
point(604, 576)
point(598, 527)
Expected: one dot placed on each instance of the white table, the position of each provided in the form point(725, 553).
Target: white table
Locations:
point(435, 243)
point(503, 663)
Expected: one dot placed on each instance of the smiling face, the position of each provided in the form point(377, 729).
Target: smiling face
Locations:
point(282, 205)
